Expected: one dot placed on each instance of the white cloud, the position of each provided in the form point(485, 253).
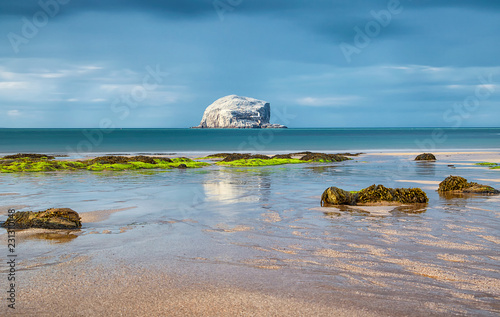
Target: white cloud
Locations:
point(326, 101)
point(13, 113)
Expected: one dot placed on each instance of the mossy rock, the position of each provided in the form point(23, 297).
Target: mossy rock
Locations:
point(282, 156)
point(459, 184)
point(53, 218)
point(380, 193)
point(322, 157)
point(110, 159)
point(335, 196)
point(31, 156)
point(374, 195)
point(425, 157)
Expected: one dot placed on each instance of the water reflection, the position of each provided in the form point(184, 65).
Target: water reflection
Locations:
point(51, 236)
point(424, 168)
point(232, 186)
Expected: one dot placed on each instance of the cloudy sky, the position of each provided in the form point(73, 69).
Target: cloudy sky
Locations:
point(335, 63)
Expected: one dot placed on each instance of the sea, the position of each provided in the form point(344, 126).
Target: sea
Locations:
point(246, 140)
point(262, 229)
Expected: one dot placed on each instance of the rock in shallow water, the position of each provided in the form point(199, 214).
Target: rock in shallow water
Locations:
point(53, 218)
point(459, 184)
point(425, 157)
point(373, 195)
point(238, 112)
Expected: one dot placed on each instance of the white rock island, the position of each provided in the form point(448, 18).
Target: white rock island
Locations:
point(235, 112)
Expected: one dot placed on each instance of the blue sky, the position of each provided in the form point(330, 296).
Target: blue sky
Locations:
point(361, 63)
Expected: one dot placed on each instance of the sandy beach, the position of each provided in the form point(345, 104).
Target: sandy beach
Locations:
point(175, 244)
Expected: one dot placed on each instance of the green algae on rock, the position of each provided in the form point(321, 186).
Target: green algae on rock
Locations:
point(490, 165)
point(373, 195)
point(104, 163)
point(459, 184)
point(246, 159)
point(425, 157)
point(53, 218)
point(260, 162)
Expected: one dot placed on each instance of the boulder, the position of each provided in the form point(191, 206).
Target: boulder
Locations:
point(336, 196)
point(457, 184)
point(374, 195)
point(238, 112)
point(53, 218)
point(425, 157)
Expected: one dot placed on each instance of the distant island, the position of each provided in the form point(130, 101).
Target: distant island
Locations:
point(236, 112)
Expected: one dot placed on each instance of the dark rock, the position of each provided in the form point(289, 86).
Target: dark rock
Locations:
point(350, 154)
point(182, 166)
point(112, 159)
point(236, 156)
point(282, 156)
point(373, 195)
point(29, 156)
point(459, 184)
point(380, 193)
point(166, 159)
point(337, 196)
point(53, 218)
point(425, 157)
point(315, 157)
point(218, 155)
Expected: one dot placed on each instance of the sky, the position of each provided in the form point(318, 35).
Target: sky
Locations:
point(335, 63)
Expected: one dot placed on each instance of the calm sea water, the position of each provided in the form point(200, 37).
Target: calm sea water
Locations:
point(252, 140)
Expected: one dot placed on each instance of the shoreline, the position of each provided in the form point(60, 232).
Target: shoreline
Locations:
point(277, 252)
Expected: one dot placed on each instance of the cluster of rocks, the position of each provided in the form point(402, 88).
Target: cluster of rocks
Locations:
point(373, 195)
point(113, 159)
point(303, 156)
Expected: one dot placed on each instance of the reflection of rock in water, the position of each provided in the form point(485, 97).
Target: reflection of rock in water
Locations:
point(51, 236)
point(229, 186)
point(425, 168)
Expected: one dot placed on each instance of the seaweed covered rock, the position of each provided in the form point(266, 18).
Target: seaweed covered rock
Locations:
point(374, 195)
point(282, 156)
point(322, 157)
point(53, 218)
point(459, 184)
point(244, 156)
point(425, 157)
point(31, 156)
point(111, 159)
point(337, 196)
point(380, 193)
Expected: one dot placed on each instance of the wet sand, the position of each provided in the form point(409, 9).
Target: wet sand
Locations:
point(262, 246)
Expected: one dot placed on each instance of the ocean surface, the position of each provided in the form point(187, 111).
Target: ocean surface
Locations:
point(246, 140)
